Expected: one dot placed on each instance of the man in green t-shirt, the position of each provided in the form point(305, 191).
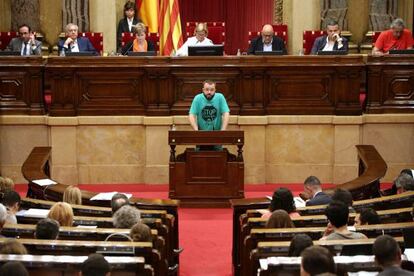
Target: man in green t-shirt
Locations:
point(209, 110)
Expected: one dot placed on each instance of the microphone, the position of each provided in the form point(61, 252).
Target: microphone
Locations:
point(129, 48)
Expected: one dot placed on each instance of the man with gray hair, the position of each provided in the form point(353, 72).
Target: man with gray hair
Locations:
point(126, 217)
point(396, 38)
point(73, 43)
point(313, 191)
point(404, 183)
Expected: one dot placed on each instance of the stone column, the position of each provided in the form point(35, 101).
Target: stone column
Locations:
point(336, 10)
point(5, 18)
point(278, 12)
point(25, 12)
point(300, 15)
point(358, 11)
point(50, 21)
point(103, 19)
point(77, 12)
point(405, 11)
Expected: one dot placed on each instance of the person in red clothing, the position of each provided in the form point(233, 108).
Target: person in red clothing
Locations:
point(396, 38)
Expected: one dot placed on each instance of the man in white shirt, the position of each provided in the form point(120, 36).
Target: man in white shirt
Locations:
point(199, 39)
point(73, 43)
point(26, 43)
point(333, 41)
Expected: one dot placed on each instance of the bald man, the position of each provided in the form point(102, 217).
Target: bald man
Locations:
point(267, 42)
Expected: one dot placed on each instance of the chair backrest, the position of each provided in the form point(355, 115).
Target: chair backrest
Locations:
point(280, 31)
point(216, 31)
point(309, 38)
point(5, 38)
point(96, 40)
point(153, 37)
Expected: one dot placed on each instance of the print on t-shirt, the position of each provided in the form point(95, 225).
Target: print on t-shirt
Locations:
point(209, 113)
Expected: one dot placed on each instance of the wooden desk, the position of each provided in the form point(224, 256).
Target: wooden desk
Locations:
point(21, 85)
point(206, 178)
point(252, 85)
point(390, 84)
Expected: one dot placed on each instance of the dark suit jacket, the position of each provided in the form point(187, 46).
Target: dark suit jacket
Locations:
point(15, 45)
point(394, 271)
point(257, 45)
point(128, 47)
point(320, 43)
point(320, 199)
point(123, 28)
point(84, 45)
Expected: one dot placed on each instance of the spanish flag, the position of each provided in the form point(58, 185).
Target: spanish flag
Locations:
point(170, 27)
point(148, 12)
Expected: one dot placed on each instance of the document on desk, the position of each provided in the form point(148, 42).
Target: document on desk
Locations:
point(44, 182)
point(33, 213)
point(107, 196)
point(299, 203)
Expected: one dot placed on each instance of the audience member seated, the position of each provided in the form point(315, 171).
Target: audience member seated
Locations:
point(267, 42)
point(367, 216)
point(11, 201)
point(95, 265)
point(6, 184)
point(280, 219)
point(404, 183)
point(337, 213)
point(26, 44)
point(3, 217)
point(126, 24)
point(118, 200)
point(388, 256)
point(316, 260)
point(140, 43)
point(140, 232)
point(73, 43)
point(199, 39)
point(72, 195)
point(313, 191)
point(299, 243)
point(412, 212)
point(13, 268)
point(282, 199)
point(344, 196)
point(47, 229)
point(126, 217)
point(396, 38)
point(61, 212)
point(13, 246)
point(333, 41)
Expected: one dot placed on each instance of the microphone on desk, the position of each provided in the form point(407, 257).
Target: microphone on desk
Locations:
point(129, 48)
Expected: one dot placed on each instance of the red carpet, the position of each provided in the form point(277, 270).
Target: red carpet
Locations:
point(205, 234)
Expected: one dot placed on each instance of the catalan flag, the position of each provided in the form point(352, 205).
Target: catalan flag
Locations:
point(169, 27)
point(148, 12)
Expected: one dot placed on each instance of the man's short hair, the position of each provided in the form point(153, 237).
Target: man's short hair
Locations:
point(337, 213)
point(316, 260)
point(25, 25)
point(95, 265)
point(69, 25)
point(398, 22)
point(344, 196)
point(10, 198)
point(209, 82)
point(386, 250)
point(140, 232)
point(312, 181)
point(332, 22)
point(13, 268)
point(126, 217)
point(405, 181)
point(118, 200)
point(299, 243)
point(47, 229)
point(369, 216)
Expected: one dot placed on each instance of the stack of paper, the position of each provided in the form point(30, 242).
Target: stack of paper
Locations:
point(33, 213)
point(44, 182)
point(107, 196)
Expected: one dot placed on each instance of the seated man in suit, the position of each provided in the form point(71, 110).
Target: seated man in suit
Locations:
point(267, 42)
point(73, 43)
point(396, 38)
point(388, 255)
point(26, 43)
point(313, 191)
point(333, 41)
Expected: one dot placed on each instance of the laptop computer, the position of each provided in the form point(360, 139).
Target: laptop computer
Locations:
point(402, 52)
point(269, 53)
point(142, 54)
point(80, 54)
point(332, 53)
point(9, 53)
point(211, 50)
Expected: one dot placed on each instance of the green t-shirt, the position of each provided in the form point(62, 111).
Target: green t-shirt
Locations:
point(209, 112)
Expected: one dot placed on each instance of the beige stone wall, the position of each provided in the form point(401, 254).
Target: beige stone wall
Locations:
point(50, 21)
point(134, 149)
point(5, 15)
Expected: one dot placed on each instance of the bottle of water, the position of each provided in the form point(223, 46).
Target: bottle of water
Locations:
point(238, 52)
point(173, 127)
point(62, 53)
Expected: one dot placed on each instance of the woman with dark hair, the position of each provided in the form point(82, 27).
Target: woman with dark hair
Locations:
point(282, 199)
point(299, 243)
point(127, 23)
point(280, 219)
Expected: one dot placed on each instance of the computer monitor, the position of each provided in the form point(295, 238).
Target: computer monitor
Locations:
point(402, 52)
point(211, 50)
point(9, 53)
point(332, 53)
point(408, 234)
point(269, 53)
point(142, 54)
point(80, 54)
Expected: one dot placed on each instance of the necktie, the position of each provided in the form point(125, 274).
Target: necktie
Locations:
point(25, 49)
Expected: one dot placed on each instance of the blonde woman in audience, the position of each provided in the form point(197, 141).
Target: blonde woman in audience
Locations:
point(72, 195)
point(61, 212)
point(140, 232)
point(6, 184)
point(280, 219)
point(13, 246)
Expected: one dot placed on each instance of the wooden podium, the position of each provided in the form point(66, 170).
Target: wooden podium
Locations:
point(204, 178)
